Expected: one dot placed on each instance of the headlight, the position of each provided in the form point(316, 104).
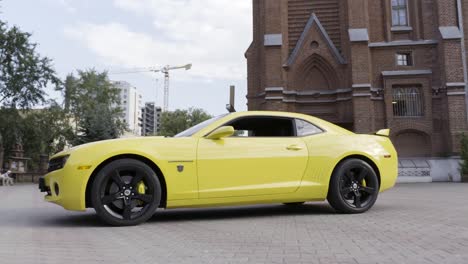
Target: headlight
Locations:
point(57, 163)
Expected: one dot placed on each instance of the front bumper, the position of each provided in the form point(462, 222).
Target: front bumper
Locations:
point(66, 187)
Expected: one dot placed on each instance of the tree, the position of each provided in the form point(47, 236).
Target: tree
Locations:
point(46, 131)
point(23, 72)
point(23, 76)
point(91, 99)
point(10, 128)
point(41, 131)
point(99, 123)
point(172, 123)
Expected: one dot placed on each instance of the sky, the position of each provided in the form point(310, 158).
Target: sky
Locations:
point(121, 35)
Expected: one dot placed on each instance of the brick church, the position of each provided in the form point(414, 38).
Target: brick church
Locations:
point(366, 65)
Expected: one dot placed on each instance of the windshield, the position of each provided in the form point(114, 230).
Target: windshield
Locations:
point(191, 131)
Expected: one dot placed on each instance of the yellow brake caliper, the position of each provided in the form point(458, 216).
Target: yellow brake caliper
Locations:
point(141, 189)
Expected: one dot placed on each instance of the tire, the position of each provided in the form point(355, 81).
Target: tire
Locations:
point(354, 187)
point(126, 192)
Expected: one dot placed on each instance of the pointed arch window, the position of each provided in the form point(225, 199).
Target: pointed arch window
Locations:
point(400, 13)
point(407, 102)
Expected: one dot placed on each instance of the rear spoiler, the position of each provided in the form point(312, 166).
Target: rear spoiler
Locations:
point(383, 133)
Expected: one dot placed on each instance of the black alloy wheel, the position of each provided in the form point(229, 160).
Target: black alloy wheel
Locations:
point(354, 187)
point(126, 192)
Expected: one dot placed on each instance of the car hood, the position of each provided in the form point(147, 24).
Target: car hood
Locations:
point(135, 140)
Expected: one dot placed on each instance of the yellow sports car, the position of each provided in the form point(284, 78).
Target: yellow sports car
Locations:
point(233, 159)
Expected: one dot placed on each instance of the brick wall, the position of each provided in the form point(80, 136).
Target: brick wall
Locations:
point(368, 104)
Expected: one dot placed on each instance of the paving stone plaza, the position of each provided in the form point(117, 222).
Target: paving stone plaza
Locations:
point(413, 223)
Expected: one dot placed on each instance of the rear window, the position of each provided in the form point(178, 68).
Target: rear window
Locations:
point(305, 128)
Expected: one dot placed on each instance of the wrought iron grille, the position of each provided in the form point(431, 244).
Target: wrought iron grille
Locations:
point(407, 102)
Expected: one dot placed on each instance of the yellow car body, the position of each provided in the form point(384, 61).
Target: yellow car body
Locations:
point(197, 171)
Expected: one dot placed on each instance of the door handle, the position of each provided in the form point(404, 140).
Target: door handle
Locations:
point(294, 148)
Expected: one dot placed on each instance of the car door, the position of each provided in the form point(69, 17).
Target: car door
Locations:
point(264, 157)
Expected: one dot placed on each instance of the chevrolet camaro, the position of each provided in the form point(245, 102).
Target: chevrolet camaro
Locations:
point(233, 159)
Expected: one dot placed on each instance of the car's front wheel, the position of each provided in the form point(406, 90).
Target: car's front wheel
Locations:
point(126, 192)
point(354, 187)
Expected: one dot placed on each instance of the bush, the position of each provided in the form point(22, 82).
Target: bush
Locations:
point(464, 154)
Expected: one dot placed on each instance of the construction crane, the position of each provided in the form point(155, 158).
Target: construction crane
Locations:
point(164, 70)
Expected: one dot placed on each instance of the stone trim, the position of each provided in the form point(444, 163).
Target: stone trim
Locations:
point(274, 89)
point(313, 20)
point(362, 95)
point(362, 85)
point(317, 101)
point(399, 43)
point(312, 92)
point(414, 179)
point(451, 32)
point(401, 29)
point(285, 94)
point(337, 91)
point(274, 98)
point(271, 40)
point(256, 96)
point(456, 93)
point(406, 73)
point(460, 84)
point(358, 35)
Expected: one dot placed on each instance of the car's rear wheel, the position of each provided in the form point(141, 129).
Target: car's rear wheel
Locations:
point(354, 187)
point(126, 192)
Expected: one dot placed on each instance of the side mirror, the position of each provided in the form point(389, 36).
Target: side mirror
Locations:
point(222, 132)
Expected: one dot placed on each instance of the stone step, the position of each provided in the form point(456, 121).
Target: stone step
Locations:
point(421, 169)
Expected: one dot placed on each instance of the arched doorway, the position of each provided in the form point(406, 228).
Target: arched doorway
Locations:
point(316, 74)
point(319, 91)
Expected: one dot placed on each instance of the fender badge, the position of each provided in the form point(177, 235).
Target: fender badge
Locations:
point(87, 167)
point(180, 168)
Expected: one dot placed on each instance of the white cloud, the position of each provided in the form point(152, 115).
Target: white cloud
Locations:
point(66, 4)
point(212, 34)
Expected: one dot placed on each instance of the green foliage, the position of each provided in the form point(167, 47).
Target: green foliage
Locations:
point(23, 76)
point(91, 100)
point(98, 123)
point(41, 131)
point(172, 123)
point(10, 127)
point(46, 131)
point(464, 154)
point(23, 72)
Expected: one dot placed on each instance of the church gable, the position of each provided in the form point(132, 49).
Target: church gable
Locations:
point(314, 39)
point(328, 11)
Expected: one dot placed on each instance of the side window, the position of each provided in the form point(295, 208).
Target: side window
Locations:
point(399, 13)
point(305, 128)
point(263, 127)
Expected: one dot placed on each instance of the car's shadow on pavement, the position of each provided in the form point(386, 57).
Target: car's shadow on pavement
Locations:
point(223, 213)
point(90, 219)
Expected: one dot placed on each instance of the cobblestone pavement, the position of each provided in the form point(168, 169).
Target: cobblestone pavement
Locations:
point(423, 223)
